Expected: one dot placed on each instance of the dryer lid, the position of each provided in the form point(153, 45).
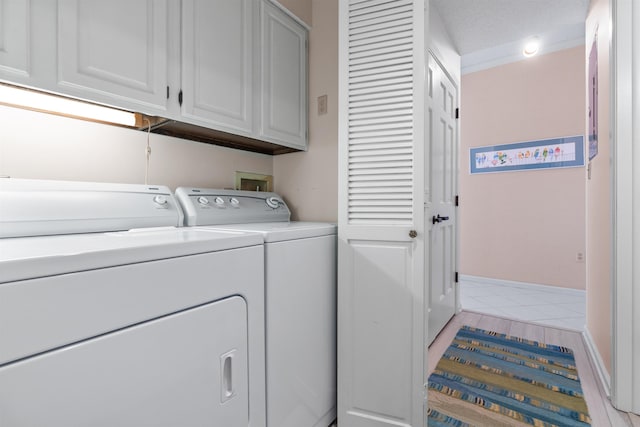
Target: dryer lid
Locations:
point(41, 256)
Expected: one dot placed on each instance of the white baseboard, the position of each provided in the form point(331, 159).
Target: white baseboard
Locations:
point(510, 283)
point(596, 359)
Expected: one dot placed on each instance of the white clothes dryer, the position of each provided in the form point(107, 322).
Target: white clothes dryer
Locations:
point(153, 326)
point(300, 298)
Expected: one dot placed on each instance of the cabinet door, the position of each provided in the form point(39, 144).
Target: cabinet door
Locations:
point(283, 74)
point(217, 64)
point(15, 48)
point(114, 52)
point(27, 45)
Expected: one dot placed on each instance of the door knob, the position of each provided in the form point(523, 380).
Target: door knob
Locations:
point(437, 219)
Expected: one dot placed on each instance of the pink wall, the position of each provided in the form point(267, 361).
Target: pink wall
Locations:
point(301, 8)
point(599, 194)
point(525, 226)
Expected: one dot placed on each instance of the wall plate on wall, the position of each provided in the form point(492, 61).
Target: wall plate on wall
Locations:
point(253, 182)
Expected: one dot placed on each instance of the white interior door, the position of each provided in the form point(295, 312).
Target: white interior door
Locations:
point(381, 287)
point(440, 212)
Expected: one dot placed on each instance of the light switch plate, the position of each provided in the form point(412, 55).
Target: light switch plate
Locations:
point(322, 105)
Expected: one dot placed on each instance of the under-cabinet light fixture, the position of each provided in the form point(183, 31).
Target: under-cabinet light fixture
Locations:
point(14, 96)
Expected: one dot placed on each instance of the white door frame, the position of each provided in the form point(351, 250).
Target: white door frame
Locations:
point(625, 105)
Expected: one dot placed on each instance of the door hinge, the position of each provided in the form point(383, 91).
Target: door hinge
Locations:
point(180, 97)
point(457, 200)
point(167, 92)
point(456, 277)
point(457, 113)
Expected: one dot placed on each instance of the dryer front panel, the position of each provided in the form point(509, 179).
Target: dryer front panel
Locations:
point(184, 369)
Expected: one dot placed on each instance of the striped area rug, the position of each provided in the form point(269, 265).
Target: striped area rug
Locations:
point(490, 379)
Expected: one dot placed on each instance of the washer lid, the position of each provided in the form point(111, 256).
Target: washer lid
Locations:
point(32, 257)
point(280, 231)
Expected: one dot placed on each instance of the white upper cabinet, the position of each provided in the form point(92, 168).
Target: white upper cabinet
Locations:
point(27, 48)
point(15, 49)
point(235, 66)
point(217, 65)
point(283, 78)
point(114, 52)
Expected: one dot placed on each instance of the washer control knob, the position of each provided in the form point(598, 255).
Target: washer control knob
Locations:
point(203, 200)
point(160, 199)
point(234, 202)
point(273, 202)
point(219, 201)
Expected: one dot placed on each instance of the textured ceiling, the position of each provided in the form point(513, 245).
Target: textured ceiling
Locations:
point(475, 25)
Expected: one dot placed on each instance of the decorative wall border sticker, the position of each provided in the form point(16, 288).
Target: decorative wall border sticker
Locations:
point(565, 152)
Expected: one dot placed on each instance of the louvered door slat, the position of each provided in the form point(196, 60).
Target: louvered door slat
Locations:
point(390, 101)
point(361, 126)
point(376, 17)
point(387, 36)
point(382, 44)
point(405, 61)
point(356, 5)
point(370, 194)
point(379, 143)
point(379, 165)
point(383, 5)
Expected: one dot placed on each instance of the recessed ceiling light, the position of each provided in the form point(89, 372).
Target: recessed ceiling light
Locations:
point(531, 48)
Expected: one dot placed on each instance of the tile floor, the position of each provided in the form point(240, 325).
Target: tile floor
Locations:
point(543, 305)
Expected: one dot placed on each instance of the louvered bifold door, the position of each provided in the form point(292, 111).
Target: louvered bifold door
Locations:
point(381, 319)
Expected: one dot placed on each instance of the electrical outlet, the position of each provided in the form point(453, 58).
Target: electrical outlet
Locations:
point(580, 257)
point(322, 105)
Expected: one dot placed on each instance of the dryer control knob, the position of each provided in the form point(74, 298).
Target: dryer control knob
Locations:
point(219, 201)
point(203, 200)
point(273, 202)
point(234, 202)
point(160, 199)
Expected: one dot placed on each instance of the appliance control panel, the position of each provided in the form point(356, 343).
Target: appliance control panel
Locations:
point(206, 206)
point(43, 208)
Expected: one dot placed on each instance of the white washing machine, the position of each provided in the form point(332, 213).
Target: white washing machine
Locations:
point(154, 326)
point(300, 298)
